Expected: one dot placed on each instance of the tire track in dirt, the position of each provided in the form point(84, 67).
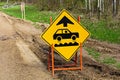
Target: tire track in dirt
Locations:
point(14, 68)
point(15, 39)
point(91, 68)
point(112, 50)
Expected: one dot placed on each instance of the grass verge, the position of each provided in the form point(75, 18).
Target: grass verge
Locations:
point(103, 59)
point(32, 13)
point(117, 65)
point(109, 60)
point(101, 30)
point(93, 53)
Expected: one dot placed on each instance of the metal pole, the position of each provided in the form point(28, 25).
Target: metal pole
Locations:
point(52, 51)
point(81, 56)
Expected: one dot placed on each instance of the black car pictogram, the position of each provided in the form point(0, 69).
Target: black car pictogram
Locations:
point(65, 34)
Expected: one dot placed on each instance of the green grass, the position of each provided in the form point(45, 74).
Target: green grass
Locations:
point(103, 59)
point(32, 13)
point(1, 4)
point(118, 65)
point(93, 53)
point(109, 60)
point(99, 30)
point(15, 11)
point(39, 16)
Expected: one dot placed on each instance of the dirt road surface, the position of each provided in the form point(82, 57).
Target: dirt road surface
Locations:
point(17, 62)
point(23, 55)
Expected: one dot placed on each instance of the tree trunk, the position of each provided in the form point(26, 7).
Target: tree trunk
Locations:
point(86, 4)
point(103, 6)
point(89, 5)
point(100, 8)
point(61, 3)
point(7, 1)
point(89, 9)
point(114, 8)
point(117, 6)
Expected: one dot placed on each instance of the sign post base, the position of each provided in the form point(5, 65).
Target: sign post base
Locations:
point(74, 66)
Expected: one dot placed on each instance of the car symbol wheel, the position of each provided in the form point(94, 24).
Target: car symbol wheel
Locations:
point(59, 38)
point(73, 37)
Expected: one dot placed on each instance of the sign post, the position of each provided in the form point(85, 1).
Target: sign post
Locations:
point(65, 35)
point(23, 10)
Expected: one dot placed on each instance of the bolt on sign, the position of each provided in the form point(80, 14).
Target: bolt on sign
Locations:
point(65, 34)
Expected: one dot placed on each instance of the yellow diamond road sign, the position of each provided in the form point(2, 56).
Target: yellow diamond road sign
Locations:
point(66, 34)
